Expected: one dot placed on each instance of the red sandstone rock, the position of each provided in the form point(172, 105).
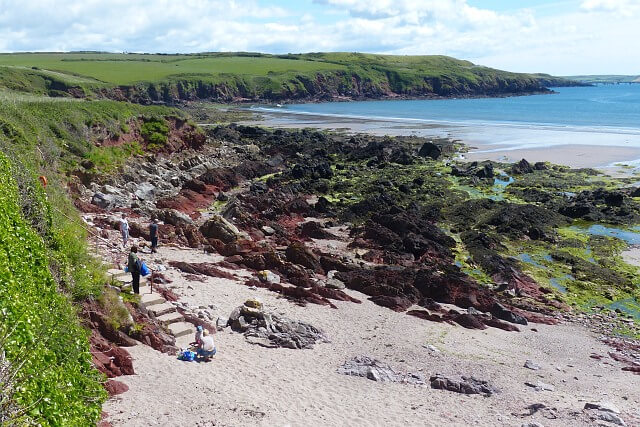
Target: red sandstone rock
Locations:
point(114, 387)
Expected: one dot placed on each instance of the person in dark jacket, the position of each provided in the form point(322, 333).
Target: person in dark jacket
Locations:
point(153, 232)
point(134, 268)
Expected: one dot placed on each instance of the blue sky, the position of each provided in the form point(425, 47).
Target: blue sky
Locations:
point(556, 36)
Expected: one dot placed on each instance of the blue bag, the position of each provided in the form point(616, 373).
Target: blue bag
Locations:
point(144, 270)
point(187, 356)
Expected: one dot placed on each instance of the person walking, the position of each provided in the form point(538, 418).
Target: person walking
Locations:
point(124, 229)
point(153, 232)
point(134, 268)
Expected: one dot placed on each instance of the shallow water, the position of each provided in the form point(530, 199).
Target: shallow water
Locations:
point(628, 236)
point(525, 257)
point(630, 306)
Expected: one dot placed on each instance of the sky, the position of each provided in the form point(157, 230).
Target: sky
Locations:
point(560, 37)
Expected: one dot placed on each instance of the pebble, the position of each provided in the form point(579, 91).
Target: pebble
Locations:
point(540, 386)
point(602, 406)
point(530, 364)
point(431, 348)
point(611, 418)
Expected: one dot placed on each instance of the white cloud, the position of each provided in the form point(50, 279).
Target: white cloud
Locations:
point(589, 39)
point(623, 7)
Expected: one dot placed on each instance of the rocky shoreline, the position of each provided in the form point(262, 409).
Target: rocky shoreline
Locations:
point(332, 219)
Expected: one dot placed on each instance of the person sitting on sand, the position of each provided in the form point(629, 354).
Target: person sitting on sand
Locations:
point(198, 339)
point(206, 348)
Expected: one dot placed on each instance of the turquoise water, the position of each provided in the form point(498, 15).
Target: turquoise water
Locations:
point(607, 106)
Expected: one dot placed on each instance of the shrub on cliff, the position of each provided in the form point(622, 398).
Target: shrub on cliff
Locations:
point(57, 384)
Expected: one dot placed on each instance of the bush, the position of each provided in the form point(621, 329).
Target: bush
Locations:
point(155, 131)
point(58, 384)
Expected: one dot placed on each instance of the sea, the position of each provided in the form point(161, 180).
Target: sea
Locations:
point(601, 115)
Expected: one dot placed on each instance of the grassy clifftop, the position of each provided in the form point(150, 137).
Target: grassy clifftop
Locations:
point(150, 78)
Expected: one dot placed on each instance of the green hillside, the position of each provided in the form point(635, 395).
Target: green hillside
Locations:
point(150, 78)
point(605, 79)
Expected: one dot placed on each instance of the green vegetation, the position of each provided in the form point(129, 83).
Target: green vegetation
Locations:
point(57, 383)
point(605, 79)
point(227, 76)
point(65, 133)
point(155, 130)
point(45, 266)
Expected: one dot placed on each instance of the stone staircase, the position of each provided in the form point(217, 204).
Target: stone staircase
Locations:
point(155, 304)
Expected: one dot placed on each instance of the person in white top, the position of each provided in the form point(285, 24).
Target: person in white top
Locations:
point(124, 229)
point(207, 347)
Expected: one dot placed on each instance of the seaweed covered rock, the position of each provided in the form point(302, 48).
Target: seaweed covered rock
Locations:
point(522, 167)
point(430, 150)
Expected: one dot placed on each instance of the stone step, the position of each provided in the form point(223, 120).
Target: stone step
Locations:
point(148, 300)
point(122, 281)
point(143, 287)
point(160, 309)
point(181, 329)
point(114, 272)
point(170, 318)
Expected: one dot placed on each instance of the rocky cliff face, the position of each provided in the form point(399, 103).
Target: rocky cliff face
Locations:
point(338, 85)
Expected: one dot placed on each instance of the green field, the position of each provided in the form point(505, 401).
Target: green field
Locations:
point(606, 79)
point(124, 69)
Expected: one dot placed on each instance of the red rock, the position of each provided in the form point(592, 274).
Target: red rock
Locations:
point(114, 387)
point(423, 314)
point(469, 321)
point(635, 369)
point(396, 303)
point(205, 268)
point(500, 324)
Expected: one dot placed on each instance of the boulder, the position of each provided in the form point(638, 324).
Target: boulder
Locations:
point(219, 228)
point(502, 313)
point(104, 201)
point(270, 330)
point(114, 387)
point(466, 385)
point(313, 229)
point(523, 166)
point(268, 276)
point(431, 150)
point(174, 217)
point(145, 191)
point(375, 370)
point(298, 253)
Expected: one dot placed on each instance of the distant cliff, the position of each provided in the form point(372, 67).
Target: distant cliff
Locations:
point(265, 78)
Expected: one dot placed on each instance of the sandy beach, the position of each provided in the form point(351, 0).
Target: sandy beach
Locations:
point(250, 385)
